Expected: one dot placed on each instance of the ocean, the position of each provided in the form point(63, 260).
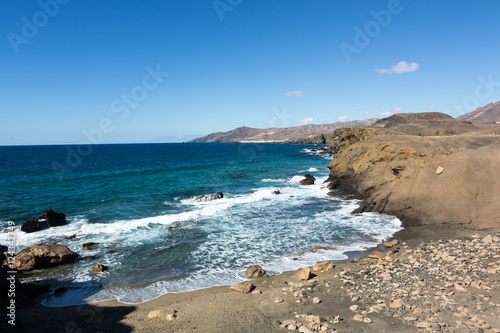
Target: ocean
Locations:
point(126, 197)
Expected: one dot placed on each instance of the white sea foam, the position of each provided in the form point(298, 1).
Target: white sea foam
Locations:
point(276, 231)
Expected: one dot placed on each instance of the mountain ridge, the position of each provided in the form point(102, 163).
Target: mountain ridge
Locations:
point(280, 134)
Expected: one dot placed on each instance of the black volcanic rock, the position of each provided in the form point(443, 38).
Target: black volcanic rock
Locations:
point(308, 180)
point(47, 220)
point(209, 197)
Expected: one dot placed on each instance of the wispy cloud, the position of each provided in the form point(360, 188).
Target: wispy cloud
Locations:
point(431, 108)
point(342, 118)
point(380, 113)
point(399, 68)
point(296, 93)
point(307, 120)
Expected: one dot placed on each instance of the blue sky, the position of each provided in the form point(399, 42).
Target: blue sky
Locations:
point(97, 70)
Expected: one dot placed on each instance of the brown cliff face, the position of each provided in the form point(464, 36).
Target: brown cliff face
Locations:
point(398, 173)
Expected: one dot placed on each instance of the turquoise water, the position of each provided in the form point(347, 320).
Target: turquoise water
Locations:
point(126, 197)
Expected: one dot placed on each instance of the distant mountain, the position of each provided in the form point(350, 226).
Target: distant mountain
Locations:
point(275, 134)
point(485, 114)
point(423, 120)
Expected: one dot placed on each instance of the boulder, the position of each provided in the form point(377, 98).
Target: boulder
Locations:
point(99, 268)
point(209, 197)
point(391, 243)
point(254, 271)
point(316, 248)
point(44, 255)
point(168, 314)
point(488, 239)
point(303, 274)
point(89, 245)
point(308, 180)
point(242, 287)
point(375, 255)
point(323, 266)
point(439, 170)
point(47, 220)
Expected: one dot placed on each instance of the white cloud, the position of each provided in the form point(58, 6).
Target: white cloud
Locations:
point(431, 108)
point(296, 93)
point(342, 118)
point(380, 113)
point(308, 120)
point(399, 68)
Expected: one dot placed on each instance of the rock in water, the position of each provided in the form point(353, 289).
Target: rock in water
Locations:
point(209, 197)
point(308, 180)
point(254, 271)
point(99, 268)
point(303, 274)
point(43, 255)
point(88, 246)
point(316, 248)
point(47, 220)
point(242, 287)
point(323, 266)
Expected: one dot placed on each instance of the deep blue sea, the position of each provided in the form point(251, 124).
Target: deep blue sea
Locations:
point(126, 196)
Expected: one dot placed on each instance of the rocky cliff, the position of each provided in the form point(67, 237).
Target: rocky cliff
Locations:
point(448, 179)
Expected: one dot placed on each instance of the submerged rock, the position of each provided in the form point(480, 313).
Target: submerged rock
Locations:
point(99, 268)
point(43, 255)
point(88, 246)
point(308, 180)
point(47, 220)
point(209, 197)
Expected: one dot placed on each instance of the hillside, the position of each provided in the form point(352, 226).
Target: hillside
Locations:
point(485, 114)
point(450, 179)
point(297, 134)
point(424, 121)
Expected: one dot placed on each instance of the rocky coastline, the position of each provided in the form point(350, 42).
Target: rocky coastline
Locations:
point(438, 275)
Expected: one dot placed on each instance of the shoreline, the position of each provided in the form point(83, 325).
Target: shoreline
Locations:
point(217, 309)
point(232, 311)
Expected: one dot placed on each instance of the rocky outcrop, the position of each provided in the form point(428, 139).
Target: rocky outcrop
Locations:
point(42, 256)
point(47, 220)
point(308, 180)
point(394, 172)
point(209, 197)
